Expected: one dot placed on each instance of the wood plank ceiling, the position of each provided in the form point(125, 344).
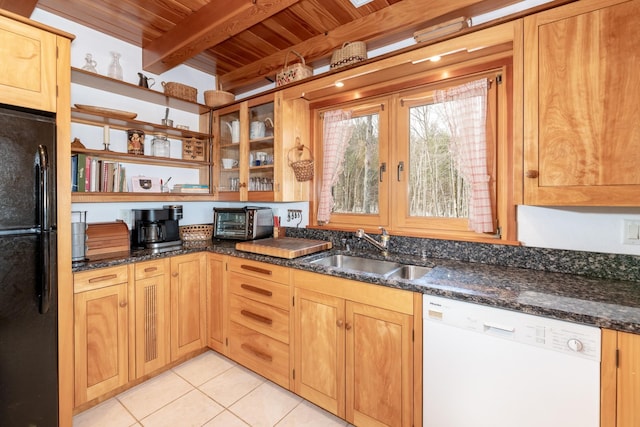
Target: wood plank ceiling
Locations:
point(245, 42)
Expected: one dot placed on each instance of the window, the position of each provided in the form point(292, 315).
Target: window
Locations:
point(404, 176)
point(360, 193)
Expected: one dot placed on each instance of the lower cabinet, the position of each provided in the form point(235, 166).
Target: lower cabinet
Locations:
point(354, 349)
point(151, 316)
point(132, 320)
point(259, 299)
point(188, 304)
point(344, 345)
point(216, 296)
point(101, 347)
point(620, 379)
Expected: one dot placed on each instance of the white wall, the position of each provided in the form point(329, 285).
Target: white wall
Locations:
point(586, 229)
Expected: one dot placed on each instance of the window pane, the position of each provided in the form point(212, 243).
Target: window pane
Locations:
point(357, 188)
point(436, 189)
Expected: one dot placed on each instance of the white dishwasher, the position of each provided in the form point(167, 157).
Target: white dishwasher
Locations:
point(489, 367)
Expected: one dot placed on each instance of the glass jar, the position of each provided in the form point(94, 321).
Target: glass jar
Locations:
point(160, 146)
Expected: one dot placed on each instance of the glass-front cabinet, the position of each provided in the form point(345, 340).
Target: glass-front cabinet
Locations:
point(227, 160)
point(261, 152)
point(244, 161)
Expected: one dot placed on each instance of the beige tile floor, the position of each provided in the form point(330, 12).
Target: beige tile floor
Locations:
point(210, 391)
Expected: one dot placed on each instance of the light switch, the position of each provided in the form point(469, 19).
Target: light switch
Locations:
point(631, 232)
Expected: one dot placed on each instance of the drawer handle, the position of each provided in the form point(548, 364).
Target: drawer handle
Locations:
point(256, 317)
point(150, 269)
point(256, 269)
point(257, 353)
point(102, 278)
point(257, 290)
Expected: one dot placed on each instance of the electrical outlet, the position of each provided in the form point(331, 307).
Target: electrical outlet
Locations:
point(127, 216)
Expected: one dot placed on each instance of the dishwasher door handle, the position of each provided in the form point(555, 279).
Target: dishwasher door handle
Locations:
point(498, 329)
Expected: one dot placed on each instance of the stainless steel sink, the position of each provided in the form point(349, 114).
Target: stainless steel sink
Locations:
point(409, 272)
point(356, 263)
point(388, 269)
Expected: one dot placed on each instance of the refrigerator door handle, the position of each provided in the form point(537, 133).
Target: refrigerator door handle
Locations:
point(47, 238)
point(43, 187)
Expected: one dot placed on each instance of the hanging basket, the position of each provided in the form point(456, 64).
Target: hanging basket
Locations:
point(302, 169)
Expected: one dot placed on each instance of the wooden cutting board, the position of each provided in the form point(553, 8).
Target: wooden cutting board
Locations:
point(283, 247)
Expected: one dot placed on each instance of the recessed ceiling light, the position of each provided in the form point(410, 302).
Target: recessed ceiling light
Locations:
point(358, 3)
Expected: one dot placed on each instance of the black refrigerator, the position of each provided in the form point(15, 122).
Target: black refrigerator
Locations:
point(28, 269)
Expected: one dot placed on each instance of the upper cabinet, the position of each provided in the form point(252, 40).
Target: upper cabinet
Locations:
point(29, 54)
point(251, 142)
point(582, 127)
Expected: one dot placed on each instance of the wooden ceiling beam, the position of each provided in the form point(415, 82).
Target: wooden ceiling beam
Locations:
point(19, 7)
point(212, 24)
point(399, 17)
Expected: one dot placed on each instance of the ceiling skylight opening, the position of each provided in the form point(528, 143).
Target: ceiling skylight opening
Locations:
point(358, 3)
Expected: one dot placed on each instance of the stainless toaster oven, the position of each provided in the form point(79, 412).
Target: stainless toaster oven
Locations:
point(247, 223)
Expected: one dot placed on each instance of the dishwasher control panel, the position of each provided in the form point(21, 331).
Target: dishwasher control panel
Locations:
point(580, 340)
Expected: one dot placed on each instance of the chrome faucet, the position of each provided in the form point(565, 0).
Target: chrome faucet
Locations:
point(381, 245)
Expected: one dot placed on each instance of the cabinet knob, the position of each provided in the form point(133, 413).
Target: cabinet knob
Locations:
point(339, 323)
point(531, 173)
point(175, 274)
point(347, 326)
point(123, 304)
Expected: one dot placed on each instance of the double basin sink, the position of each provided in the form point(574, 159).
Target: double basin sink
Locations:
point(387, 269)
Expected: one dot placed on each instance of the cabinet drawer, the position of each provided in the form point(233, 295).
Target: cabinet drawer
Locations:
point(259, 289)
point(263, 270)
point(258, 352)
point(260, 317)
point(95, 279)
point(151, 268)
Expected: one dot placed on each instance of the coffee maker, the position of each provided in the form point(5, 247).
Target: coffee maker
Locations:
point(157, 229)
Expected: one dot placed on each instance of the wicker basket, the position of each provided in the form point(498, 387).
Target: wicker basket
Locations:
point(189, 233)
point(294, 72)
point(350, 53)
point(302, 169)
point(215, 98)
point(178, 90)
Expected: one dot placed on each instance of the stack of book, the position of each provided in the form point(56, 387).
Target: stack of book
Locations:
point(190, 188)
point(89, 174)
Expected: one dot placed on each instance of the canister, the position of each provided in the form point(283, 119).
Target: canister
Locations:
point(160, 146)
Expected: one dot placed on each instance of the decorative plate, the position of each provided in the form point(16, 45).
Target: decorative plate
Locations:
point(107, 111)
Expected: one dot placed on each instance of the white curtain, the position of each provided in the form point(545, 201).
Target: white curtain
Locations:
point(337, 132)
point(465, 109)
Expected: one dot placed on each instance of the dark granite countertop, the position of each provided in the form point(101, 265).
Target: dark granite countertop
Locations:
point(605, 303)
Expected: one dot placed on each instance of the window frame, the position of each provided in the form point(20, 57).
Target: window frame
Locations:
point(349, 220)
point(502, 169)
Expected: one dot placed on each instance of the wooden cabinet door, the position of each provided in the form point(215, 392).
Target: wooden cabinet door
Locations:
point(188, 304)
point(320, 351)
point(101, 349)
point(215, 302)
point(581, 105)
point(620, 379)
point(152, 312)
point(628, 377)
point(28, 74)
point(379, 366)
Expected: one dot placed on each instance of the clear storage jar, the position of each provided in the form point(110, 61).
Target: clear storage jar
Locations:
point(160, 146)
